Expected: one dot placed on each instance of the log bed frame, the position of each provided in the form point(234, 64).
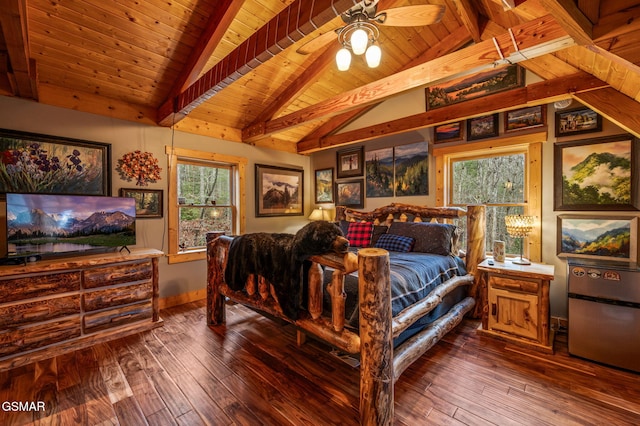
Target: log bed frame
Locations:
point(380, 363)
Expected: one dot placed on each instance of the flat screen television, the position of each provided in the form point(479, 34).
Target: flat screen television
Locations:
point(46, 225)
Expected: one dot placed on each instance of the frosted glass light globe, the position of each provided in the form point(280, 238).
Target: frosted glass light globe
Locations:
point(343, 59)
point(373, 55)
point(359, 41)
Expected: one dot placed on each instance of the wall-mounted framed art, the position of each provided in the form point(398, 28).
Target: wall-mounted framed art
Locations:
point(412, 169)
point(324, 185)
point(279, 191)
point(577, 121)
point(449, 132)
point(350, 193)
point(598, 237)
point(596, 174)
point(474, 86)
point(482, 127)
point(148, 201)
point(525, 118)
point(350, 162)
point(49, 164)
point(379, 172)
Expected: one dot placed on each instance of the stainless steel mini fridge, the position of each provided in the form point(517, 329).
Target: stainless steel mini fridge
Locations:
point(604, 312)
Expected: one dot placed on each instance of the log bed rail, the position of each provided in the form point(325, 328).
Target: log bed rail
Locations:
point(380, 363)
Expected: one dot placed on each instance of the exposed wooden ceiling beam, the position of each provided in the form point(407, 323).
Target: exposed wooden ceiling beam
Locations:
point(13, 20)
point(533, 39)
point(533, 94)
point(470, 18)
point(452, 42)
point(617, 107)
point(575, 23)
point(292, 24)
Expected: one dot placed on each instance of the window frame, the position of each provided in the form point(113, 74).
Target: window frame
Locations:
point(531, 146)
point(238, 167)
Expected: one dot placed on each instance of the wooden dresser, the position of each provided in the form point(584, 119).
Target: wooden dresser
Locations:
point(53, 306)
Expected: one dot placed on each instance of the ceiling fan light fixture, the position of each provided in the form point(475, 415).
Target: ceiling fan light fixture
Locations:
point(373, 55)
point(343, 59)
point(359, 41)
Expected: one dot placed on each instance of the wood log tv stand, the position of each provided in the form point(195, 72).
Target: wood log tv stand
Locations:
point(55, 306)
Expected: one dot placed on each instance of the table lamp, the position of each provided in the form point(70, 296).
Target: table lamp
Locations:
point(320, 214)
point(519, 226)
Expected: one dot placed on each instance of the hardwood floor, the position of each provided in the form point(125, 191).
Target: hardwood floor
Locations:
point(251, 372)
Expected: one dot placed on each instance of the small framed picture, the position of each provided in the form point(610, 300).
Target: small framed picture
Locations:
point(449, 132)
point(577, 121)
point(148, 201)
point(350, 193)
point(482, 127)
point(350, 162)
point(279, 191)
point(525, 118)
point(598, 237)
point(324, 185)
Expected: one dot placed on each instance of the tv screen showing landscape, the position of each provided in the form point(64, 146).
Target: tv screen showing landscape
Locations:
point(41, 224)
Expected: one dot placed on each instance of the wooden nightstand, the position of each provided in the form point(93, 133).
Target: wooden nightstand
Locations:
point(516, 302)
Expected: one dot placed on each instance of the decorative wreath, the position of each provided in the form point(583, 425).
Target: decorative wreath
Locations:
point(139, 166)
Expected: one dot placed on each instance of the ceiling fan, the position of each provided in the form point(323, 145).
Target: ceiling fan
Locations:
point(363, 19)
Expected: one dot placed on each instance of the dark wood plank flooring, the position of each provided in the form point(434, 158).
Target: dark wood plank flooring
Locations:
point(251, 373)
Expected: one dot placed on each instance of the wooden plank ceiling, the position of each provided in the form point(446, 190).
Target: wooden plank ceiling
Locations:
point(231, 69)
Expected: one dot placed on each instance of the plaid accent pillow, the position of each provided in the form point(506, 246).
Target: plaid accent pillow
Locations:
point(359, 234)
point(393, 242)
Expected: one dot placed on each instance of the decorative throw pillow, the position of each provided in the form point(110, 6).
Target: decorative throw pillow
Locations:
point(394, 242)
point(378, 230)
point(433, 238)
point(359, 234)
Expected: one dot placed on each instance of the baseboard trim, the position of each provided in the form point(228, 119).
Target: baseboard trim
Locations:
point(181, 299)
point(558, 323)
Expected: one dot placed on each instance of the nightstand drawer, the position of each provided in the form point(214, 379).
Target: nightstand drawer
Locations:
point(519, 284)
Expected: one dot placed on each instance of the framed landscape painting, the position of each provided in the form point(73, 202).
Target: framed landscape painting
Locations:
point(412, 169)
point(577, 121)
point(449, 132)
point(279, 191)
point(379, 172)
point(598, 237)
point(148, 201)
point(34, 163)
point(324, 185)
point(525, 118)
point(596, 174)
point(474, 86)
point(482, 127)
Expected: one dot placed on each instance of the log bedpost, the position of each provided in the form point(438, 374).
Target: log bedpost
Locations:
point(376, 342)
point(476, 251)
point(217, 248)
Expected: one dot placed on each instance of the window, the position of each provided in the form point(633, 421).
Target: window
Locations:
point(501, 178)
point(203, 197)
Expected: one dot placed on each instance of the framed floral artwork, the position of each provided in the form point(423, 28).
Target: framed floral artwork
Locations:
point(324, 185)
point(598, 237)
point(35, 163)
point(279, 191)
point(596, 174)
point(350, 162)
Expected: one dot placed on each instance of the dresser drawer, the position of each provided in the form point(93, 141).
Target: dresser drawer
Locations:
point(30, 286)
point(100, 320)
point(117, 296)
point(36, 336)
point(117, 274)
point(517, 284)
point(40, 310)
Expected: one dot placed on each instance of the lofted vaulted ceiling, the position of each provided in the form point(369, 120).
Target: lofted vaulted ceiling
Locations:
point(231, 69)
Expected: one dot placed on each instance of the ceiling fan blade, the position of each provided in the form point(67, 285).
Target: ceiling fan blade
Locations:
point(318, 42)
point(413, 16)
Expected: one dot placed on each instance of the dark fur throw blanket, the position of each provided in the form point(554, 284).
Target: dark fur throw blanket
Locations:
point(281, 259)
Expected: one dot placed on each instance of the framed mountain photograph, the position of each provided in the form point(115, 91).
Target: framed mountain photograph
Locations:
point(596, 174)
point(598, 237)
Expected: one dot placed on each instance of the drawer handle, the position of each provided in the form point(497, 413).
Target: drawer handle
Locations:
point(494, 309)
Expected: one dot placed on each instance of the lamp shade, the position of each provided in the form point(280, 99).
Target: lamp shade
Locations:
point(320, 214)
point(359, 41)
point(343, 59)
point(373, 55)
point(519, 225)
